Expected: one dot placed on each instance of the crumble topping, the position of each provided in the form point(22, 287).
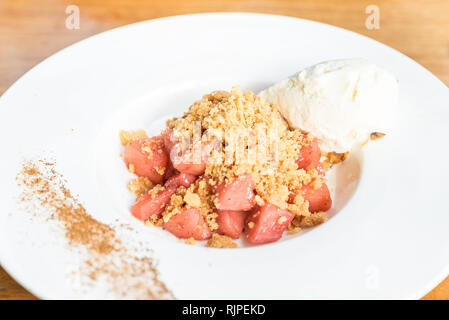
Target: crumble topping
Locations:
point(259, 201)
point(156, 190)
point(140, 186)
point(291, 230)
point(129, 136)
point(309, 221)
point(160, 170)
point(333, 158)
point(219, 241)
point(192, 199)
point(190, 241)
point(228, 117)
point(148, 147)
point(196, 196)
point(132, 168)
point(281, 220)
point(154, 221)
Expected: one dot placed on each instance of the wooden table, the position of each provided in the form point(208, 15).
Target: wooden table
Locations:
point(33, 30)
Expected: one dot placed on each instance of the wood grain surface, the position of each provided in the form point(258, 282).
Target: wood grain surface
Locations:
point(32, 30)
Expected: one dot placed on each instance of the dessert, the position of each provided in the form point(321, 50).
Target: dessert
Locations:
point(230, 167)
point(245, 165)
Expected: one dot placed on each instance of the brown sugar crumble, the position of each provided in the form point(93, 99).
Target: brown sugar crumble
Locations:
point(333, 158)
point(132, 168)
point(309, 221)
point(291, 230)
point(219, 241)
point(190, 241)
point(274, 174)
point(140, 185)
point(129, 136)
point(196, 196)
point(105, 254)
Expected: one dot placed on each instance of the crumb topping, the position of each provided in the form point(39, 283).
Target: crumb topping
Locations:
point(190, 240)
point(333, 158)
point(309, 221)
point(192, 199)
point(156, 190)
point(196, 196)
point(235, 118)
point(140, 185)
point(129, 136)
point(259, 201)
point(281, 220)
point(155, 221)
point(291, 230)
point(132, 168)
point(148, 147)
point(219, 241)
point(160, 170)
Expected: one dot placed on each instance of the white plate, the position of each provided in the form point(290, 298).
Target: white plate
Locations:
point(389, 238)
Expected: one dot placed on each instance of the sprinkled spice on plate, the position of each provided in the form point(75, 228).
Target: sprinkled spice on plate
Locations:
point(128, 272)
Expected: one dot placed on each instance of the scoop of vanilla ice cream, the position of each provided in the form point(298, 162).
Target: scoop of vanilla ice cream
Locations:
point(340, 102)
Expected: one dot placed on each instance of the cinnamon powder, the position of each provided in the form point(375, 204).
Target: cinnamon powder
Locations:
point(127, 271)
